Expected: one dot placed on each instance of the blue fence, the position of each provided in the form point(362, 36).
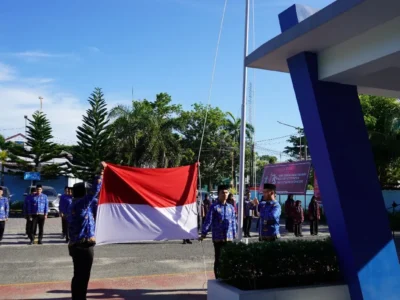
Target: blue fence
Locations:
point(17, 185)
point(389, 197)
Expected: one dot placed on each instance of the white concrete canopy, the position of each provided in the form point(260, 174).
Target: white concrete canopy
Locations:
point(363, 47)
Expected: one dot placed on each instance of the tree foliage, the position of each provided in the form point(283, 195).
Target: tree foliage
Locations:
point(38, 153)
point(146, 133)
point(382, 120)
point(296, 143)
point(93, 138)
point(382, 116)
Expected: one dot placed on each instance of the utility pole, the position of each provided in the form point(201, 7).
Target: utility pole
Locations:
point(299, 131)
point(41, 103)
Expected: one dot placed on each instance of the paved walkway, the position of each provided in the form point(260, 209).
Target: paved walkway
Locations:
point(185, 286)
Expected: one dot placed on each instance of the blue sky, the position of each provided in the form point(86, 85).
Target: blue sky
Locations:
point(61, 50)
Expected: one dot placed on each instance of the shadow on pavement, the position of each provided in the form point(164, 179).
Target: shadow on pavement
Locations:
point(187, 294)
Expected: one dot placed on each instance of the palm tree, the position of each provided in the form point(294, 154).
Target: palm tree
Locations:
point(144, 134)
point(233, 128)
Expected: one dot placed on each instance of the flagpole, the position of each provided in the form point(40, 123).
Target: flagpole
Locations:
point(243, 126)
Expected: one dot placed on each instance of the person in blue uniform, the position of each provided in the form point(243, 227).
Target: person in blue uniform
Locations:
point(97, 183)
point(249, 208)
point(4, 211)
point(81, 228)
point(270, 215)
point(38, 208)
point(65, 201)
point(27, 202)
point(222, 222)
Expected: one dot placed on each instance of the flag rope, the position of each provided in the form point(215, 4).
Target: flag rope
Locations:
point(204, 126)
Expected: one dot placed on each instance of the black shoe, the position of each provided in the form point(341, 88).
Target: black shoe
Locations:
point(249, 235)
point(189, 241)
point(184, 242)
point(300, 235)
point(40, 242)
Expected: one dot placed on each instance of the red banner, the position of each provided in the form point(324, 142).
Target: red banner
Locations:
point(289, 178)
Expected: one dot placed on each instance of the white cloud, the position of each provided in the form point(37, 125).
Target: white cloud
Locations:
point(20, 96)
point(93, 49)
point(7, 73)
point(40, 54)
point(35, 56)
point(63, 110)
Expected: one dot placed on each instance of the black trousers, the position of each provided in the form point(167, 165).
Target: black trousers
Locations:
point(289, 224)
point(314, 227)
point(217, 248)
point(37, 221)
point(64, 226)
point(82, 257)
point(2, 226)
point(28, 227)
point(247, 225)
point(298, 230)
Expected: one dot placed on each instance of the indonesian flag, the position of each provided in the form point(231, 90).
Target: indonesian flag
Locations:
point(147, 204)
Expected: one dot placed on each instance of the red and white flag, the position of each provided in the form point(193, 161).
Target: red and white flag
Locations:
point(147, 204)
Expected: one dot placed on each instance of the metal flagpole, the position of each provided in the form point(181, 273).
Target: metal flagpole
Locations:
point(243, 126)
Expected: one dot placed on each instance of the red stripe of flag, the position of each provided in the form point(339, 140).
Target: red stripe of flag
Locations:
point(168, 187)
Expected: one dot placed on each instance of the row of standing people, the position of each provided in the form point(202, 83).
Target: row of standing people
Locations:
point(221, 219)
point(4, 213)
point(295, 216)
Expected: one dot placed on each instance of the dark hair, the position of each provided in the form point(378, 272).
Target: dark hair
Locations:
point(230, 195)
point(66, 187)
point(33, 190)
point(222, 188)
point(39, 186)
point(81, 189)
point(1, 188)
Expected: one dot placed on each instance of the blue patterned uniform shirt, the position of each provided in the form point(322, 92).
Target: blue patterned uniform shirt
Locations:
point(38, 205)
point(221, 219)
point(270, 214)
point(25, 207)
point(96, 197)
point(81, 223)
point(65, 201)
point(4, 208)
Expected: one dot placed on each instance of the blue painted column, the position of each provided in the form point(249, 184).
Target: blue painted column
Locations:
point(342, 156)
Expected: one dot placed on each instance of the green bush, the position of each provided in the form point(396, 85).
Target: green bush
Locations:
point(394, 220)
point(279, 264)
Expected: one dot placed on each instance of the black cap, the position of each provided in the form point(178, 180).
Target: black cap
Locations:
point(223, 187)
point(269, 186)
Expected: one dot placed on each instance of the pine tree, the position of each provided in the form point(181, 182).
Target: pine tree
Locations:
point(93, 138)
point(38, 151)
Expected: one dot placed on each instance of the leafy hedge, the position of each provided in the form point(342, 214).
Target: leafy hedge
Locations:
point(17, 205)
point(279, 264)
point(394, 220)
